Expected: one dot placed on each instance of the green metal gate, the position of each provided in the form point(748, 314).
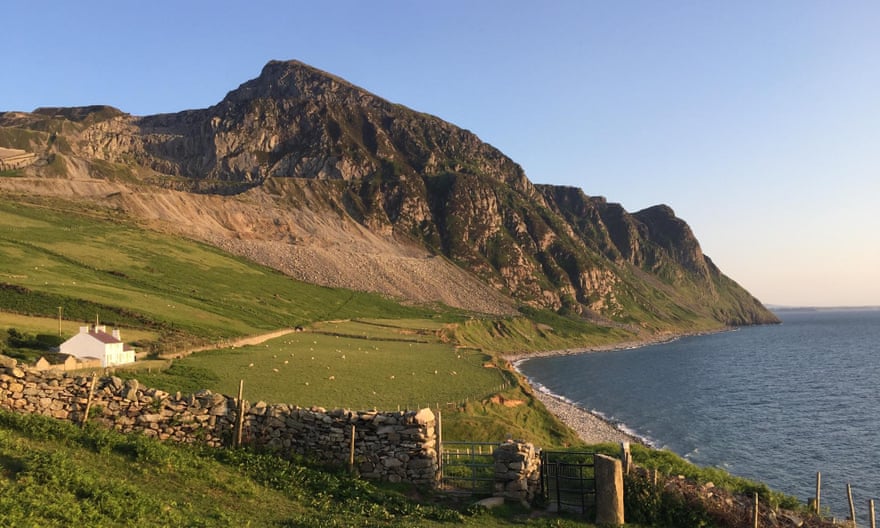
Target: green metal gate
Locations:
point(468, 467)
point(568, 481)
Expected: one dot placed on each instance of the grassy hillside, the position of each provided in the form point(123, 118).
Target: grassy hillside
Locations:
point(101, 265)
point(378, 353)
point(53, 474)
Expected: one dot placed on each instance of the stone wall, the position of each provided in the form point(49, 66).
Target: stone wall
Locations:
point(517, 471)
point(392, 446)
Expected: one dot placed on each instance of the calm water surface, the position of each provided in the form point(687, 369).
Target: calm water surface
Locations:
point(773, 403)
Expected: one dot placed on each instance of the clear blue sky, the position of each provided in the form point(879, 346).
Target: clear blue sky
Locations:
point(757, 121)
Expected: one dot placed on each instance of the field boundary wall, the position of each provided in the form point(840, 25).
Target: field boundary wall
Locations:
point(388, 446)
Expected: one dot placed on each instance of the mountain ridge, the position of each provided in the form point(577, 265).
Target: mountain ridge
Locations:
point(320, 168)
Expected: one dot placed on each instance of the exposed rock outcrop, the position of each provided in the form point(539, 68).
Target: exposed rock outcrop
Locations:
point(325, 172)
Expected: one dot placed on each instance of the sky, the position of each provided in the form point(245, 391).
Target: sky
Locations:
point(758, 122)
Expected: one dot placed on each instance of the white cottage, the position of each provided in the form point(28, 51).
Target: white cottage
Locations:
point(95, 342)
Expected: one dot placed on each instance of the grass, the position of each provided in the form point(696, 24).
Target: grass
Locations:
point(523, 418)
point(168, 286)
point(340, 365)
point(541, 330)
point(51, 258)
point(54, 474)
point(669, 463)
point(48, 325)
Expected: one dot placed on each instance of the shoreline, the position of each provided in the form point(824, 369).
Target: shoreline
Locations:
point(589, 426)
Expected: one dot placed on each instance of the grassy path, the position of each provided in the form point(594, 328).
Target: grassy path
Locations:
point(231, 343)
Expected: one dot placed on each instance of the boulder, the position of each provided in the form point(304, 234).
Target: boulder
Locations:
point(8, 362)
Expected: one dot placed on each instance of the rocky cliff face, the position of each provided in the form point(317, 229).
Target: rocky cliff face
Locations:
point(410, 179)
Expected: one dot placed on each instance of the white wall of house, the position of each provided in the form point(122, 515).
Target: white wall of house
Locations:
point(86, 344)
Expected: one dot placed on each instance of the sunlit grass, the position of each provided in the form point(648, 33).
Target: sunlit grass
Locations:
point(48, 325)
point(102, 263)
point(410, 370)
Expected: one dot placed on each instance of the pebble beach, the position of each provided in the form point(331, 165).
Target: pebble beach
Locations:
point(591, 428)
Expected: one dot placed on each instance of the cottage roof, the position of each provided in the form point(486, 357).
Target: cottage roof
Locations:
point(104, 337)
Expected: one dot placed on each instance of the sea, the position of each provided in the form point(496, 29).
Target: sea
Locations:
point(774, 403)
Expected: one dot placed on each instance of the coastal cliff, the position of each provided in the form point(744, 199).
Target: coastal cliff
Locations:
point(305, 172)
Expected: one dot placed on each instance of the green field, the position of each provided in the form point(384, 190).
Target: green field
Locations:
point(340, 365)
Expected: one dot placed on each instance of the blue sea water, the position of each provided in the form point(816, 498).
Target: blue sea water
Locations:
point(772, 403)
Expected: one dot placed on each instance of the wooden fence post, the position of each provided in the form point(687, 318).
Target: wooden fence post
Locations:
point(440, 444)
point(756, 510)
point(239, 425)
point(625, 457)
point(818, 492)
point(351, 451)
point(852, 508)
point(871, 513)
point(89, 401)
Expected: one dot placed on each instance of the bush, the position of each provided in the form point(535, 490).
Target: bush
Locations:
point(18, 339)
point(646, 502)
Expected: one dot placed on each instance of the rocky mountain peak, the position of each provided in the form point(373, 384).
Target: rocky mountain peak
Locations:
point(292, 79)
point(312, 150)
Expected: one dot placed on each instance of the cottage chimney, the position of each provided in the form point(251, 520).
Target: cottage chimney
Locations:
point(100, 328)
point(83, 329)
point(116, 334)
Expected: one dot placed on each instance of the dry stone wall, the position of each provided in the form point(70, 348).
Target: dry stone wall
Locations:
point(392, 446)
point(517, 471)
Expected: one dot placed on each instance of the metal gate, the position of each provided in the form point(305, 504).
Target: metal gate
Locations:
point(468, 467)
point(568, 481)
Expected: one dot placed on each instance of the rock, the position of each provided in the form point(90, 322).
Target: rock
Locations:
point(149, 418)
point(8, 362)
point(390, 462)
point(220, 409)
point(793, 519)
point(424, 416)
point(491, 502)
